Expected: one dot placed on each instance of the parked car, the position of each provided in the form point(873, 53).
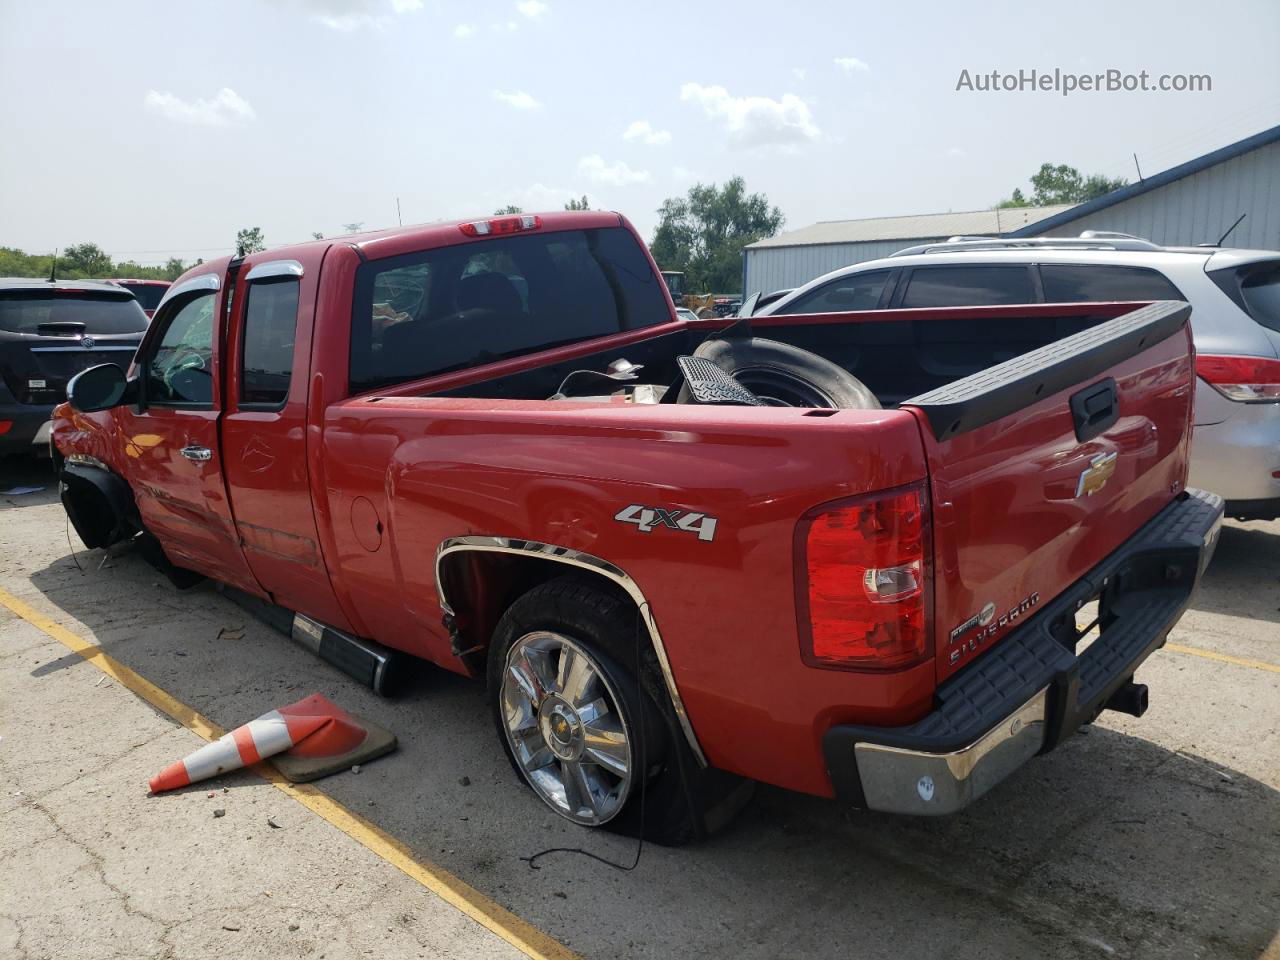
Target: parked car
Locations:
point(148, 292)
point(1235, 293)
point(455, 442)
point(50, 331)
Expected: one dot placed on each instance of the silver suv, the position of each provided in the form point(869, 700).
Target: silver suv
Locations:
point(1235, 299)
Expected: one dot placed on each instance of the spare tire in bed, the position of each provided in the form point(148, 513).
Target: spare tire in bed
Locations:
point(784, 376)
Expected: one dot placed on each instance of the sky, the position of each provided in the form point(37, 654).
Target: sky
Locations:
point(160, 129)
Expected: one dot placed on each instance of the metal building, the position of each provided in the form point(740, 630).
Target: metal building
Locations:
point(797, 256)
point(1194, 202)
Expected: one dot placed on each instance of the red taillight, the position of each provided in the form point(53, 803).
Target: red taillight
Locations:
point(499, 226)
point(862, 591)
point(5, 427)
point(1244, 379)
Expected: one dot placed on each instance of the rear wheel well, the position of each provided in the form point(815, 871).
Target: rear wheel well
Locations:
point(480, 585)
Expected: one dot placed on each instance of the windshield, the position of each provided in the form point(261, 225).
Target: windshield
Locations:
point(25, 311)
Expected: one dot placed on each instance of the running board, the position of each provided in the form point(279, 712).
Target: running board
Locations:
point(364, 660)
point(367, 661)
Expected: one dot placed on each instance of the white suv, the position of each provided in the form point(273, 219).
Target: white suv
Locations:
point(1235, 317)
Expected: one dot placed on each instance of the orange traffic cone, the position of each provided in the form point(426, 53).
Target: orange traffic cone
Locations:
point(314, 727)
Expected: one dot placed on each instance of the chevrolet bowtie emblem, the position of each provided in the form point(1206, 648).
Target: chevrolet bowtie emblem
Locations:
point(1095, 477)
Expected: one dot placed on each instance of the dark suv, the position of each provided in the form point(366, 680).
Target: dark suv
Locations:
point(49, 332)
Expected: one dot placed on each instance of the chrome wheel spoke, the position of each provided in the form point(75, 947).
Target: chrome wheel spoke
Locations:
point(573, 676)
point(608, 748)
point(521, 670)
point(577, 790)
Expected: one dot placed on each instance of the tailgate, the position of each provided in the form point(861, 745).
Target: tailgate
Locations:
point(1043, 465)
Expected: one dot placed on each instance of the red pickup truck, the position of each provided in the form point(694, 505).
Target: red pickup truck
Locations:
point(849, 554)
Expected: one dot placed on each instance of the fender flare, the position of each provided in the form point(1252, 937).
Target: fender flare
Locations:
point(583, 561)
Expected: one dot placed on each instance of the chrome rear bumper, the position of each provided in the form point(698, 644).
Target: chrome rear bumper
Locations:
point(897, 780)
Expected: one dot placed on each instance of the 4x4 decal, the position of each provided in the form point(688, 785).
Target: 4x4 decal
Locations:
point(650, 518)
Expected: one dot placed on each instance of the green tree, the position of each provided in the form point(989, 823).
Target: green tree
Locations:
point(1062, 184)
point(250, 240)
point(353, 227)
point(704, 232)
point(583, 204)
point(1018, 199)
point(508, 209)
point(317, 235)
point(173, 268)
point(85, 260)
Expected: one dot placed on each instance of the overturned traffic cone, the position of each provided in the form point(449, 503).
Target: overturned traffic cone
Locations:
point(308, 739)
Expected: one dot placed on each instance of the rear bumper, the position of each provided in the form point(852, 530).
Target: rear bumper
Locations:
point(1032, 691)
point(30, 426)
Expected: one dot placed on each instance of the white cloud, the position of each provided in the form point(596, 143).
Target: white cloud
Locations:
point(226, 107)
point(533, 9)
point(517, 99)
point(348, 15)
point(464, 31)
point(799, 72)
point(755, 121)
point(956, 152)
point(851, 65)
point(616, 174)
point(643, 130)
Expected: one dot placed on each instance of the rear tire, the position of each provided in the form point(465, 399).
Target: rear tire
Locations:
point(546, 729)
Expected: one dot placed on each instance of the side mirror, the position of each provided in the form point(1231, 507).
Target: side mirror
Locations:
point(98, 388)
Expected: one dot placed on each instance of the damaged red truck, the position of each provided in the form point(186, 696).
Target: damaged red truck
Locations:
point(848, 554)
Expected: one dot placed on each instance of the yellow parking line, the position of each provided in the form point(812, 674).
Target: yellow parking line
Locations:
point(458, 893)
point(1224, 657)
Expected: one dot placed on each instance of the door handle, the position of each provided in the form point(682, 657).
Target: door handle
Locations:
point(199, 454)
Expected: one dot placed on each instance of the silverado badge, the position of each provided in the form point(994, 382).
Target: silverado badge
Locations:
point(1096, 475)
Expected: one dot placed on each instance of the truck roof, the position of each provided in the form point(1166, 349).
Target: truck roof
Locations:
point(393, 241)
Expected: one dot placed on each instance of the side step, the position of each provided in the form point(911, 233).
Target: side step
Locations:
point(367, 661)
point(374, 665)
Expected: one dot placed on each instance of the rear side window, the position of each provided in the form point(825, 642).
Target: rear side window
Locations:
point(473, 303)
point(179, 371)
point(148, 295)
point(1261, 292)
point(858, 292)
point(968, 286)
point(26, 312)
point(1079, 283)
point(270, 323)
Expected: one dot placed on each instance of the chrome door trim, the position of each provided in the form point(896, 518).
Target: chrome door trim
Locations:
point(203, 281)
point(274, 268)
point(584, 561)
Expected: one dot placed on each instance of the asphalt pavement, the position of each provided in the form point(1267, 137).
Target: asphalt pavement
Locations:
point(1151, 837)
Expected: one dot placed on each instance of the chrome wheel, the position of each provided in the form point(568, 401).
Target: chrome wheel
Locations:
point(565, 728)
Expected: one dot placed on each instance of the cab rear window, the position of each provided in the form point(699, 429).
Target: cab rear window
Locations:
point(27, 311)
point(473, 303)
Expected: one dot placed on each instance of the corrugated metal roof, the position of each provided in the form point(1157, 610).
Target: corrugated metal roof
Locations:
point(921, 227)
